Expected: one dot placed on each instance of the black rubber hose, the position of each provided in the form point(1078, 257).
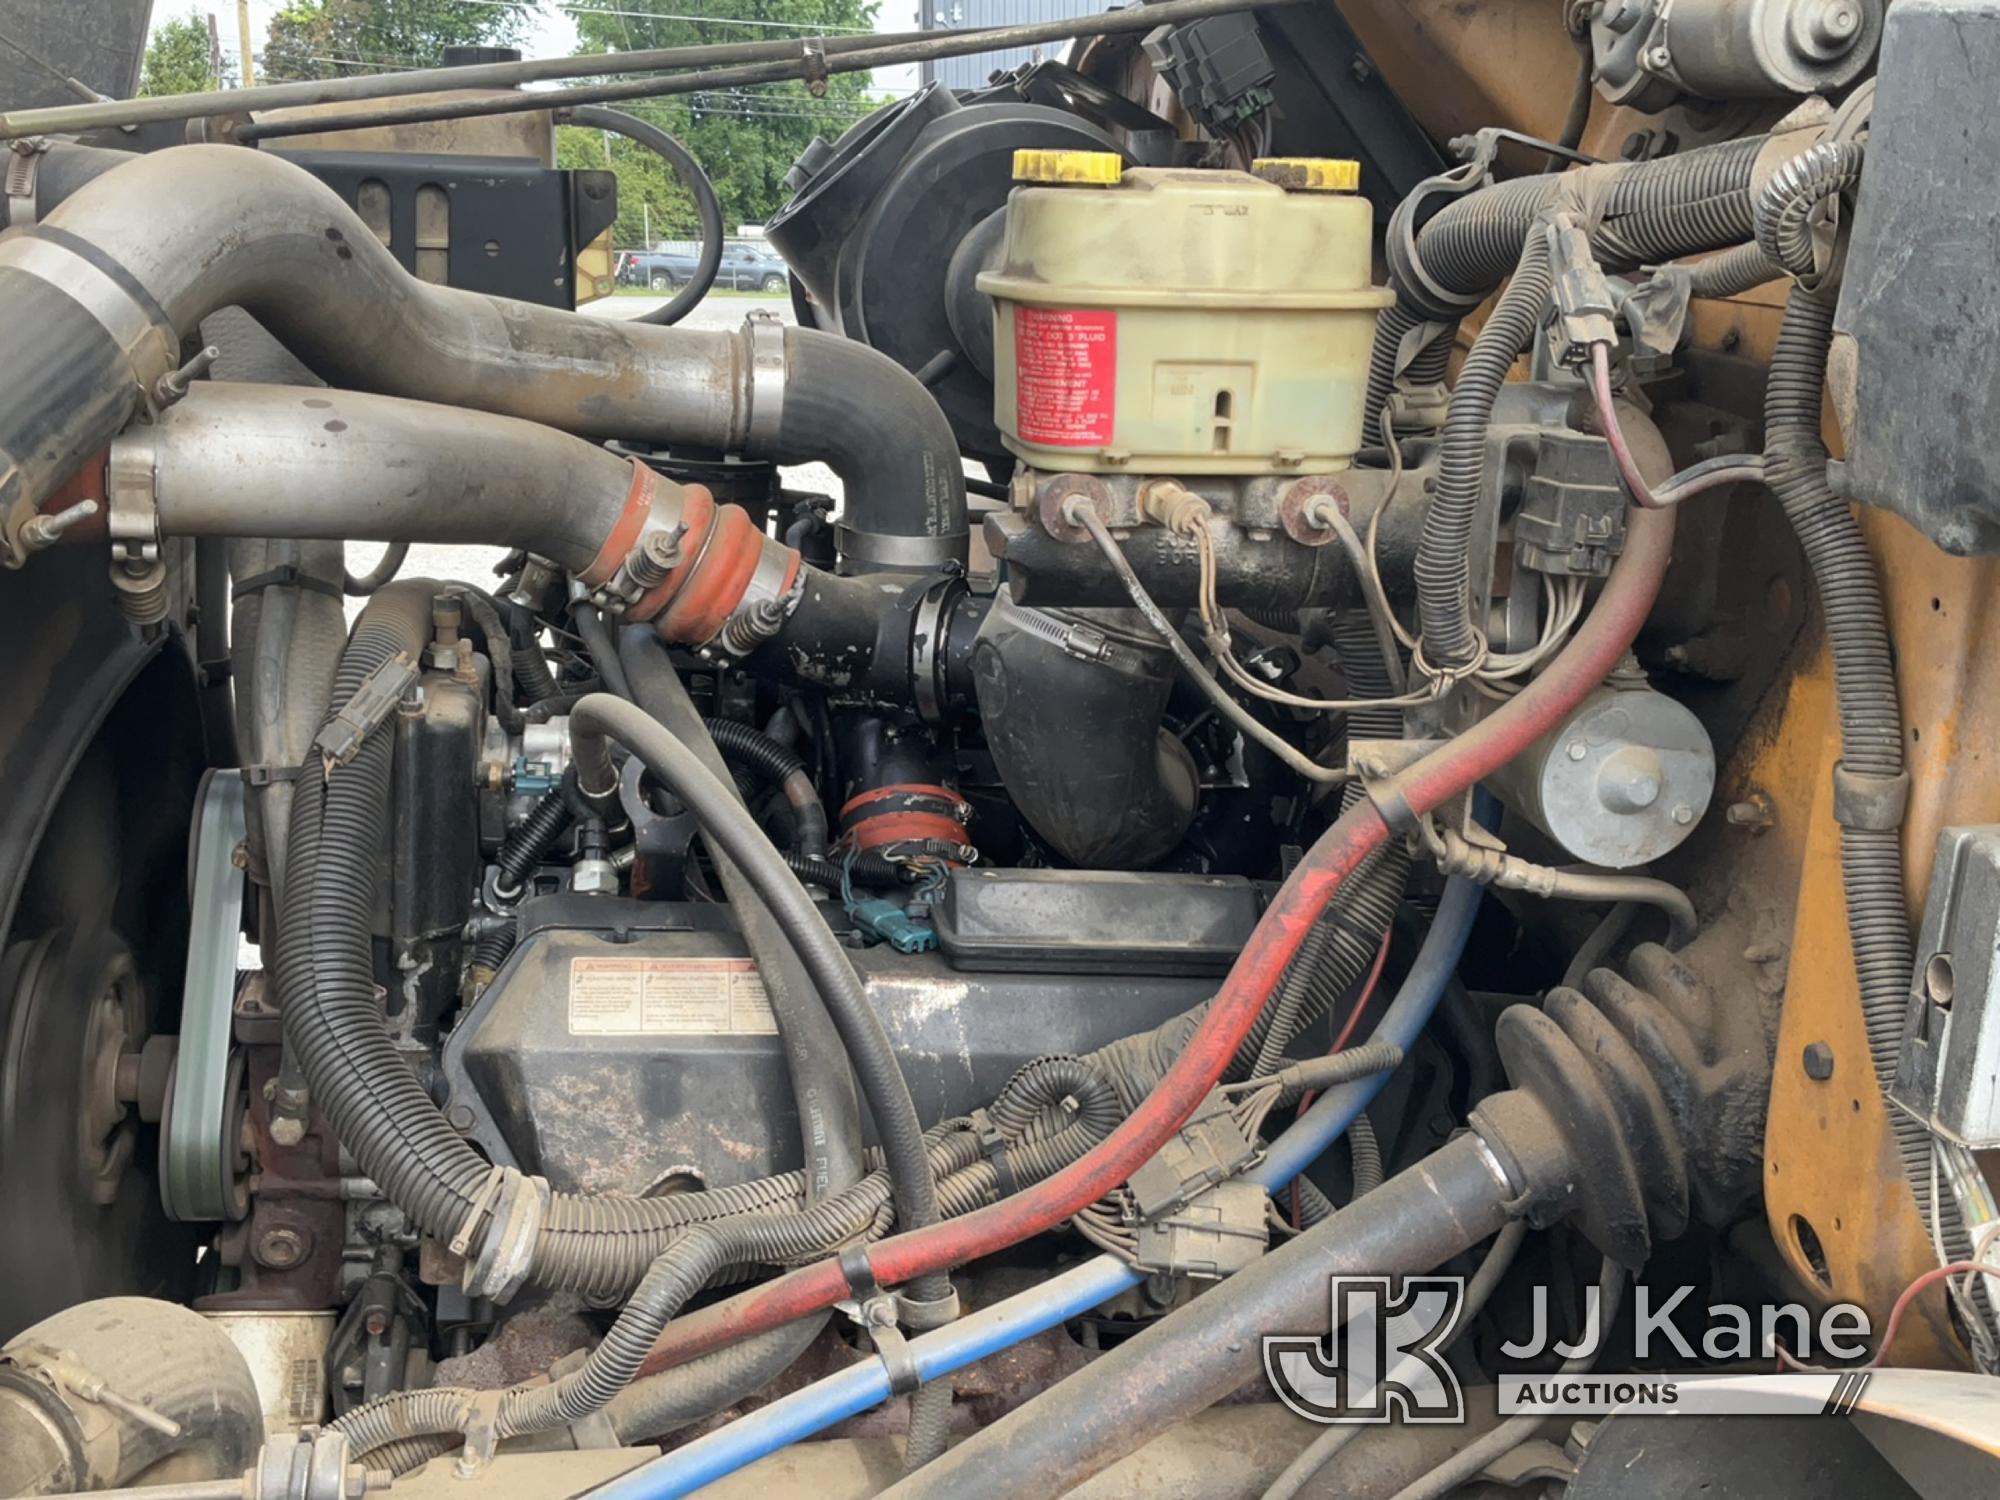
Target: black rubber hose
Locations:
point(499, 650)
point(783, 768)
point(1428, 368)
point(528, 845)
point(532, 674)
point(706, 206)
point(1653, 211)
point(1444, 594)
point(885, 435)
point(822, 1079)
point(159, 1354)
point(493, 946)
point(728, 825)
point(596, 636)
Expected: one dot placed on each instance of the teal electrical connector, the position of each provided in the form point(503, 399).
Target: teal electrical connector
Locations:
point(894, 926)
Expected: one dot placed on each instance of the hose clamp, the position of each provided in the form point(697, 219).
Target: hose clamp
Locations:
point(929, 624)
point(885, 552)
point(24, 165)
point(513, 1207)
point(764, 337)
point(120, 305)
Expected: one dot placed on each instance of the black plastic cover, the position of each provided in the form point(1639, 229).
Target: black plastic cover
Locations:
point(1918, 326)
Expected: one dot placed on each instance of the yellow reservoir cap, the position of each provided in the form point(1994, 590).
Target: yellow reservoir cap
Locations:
point(1305, 174)
point(1088, 168)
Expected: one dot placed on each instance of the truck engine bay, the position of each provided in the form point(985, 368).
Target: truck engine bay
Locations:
point(1389, 699)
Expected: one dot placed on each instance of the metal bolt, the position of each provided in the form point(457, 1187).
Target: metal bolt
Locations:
point(1754, 812)
point(287, 1130)
point(281, 1248)
point(460, 1118)
point(1818, 1061)
point(1578, 750)
point(1683, 814)
point(1659, 59)
point(43, 531)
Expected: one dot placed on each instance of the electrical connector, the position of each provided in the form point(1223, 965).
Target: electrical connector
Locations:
point(1585, 312)
point(1209, 1149)
point(888, 921)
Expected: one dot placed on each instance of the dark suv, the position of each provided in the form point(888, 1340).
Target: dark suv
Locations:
point(744, 268)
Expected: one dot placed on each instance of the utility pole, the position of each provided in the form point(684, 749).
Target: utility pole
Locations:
point(646, 219)
point(243, 41)
point(214, 54)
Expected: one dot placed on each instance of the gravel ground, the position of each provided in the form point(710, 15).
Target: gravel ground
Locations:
point(475, 564)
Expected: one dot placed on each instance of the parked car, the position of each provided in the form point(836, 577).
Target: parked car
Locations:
point(744, 268)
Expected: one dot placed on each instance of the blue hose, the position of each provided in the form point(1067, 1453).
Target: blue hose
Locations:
point(1075, 1291)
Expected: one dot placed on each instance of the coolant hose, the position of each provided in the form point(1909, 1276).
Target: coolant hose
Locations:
point(1444, 590)
point(785, 769)
point(1072, 1293)
point(1599, 645)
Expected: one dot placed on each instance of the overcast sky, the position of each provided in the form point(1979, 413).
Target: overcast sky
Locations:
point(551, 33)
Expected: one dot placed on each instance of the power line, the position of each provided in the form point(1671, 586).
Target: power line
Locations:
point(656, 15)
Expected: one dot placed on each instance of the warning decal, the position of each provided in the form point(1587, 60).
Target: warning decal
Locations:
point(1066, 376)
point(668, 997)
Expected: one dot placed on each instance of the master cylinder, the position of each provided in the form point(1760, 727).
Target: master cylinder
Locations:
point(1176, 321)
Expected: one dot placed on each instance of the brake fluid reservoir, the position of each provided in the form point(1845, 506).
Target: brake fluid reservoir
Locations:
point(1167, 320)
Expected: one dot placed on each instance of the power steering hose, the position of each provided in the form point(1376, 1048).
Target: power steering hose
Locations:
point(1598, 645)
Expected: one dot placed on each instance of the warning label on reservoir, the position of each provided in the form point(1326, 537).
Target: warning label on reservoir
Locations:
point(668, 997)
point(1066, 376)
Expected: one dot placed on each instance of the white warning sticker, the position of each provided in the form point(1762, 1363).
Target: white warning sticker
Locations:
point(668, 997)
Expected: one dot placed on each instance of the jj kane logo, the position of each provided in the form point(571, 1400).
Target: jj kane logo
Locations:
point(1384, 1360)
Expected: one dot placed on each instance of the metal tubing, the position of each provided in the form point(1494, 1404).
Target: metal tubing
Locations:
point(1184, 1364)
point(303, 461)
point(69, 118)
point(196, 228)
point(798, 63)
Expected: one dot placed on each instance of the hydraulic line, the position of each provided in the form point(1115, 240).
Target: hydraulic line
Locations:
point(1598, 645)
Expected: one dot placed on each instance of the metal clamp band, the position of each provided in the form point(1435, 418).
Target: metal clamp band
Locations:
point(765, 336)
point(24, 165)
point(149, 343)
point(884, 552)
point(513, 1206)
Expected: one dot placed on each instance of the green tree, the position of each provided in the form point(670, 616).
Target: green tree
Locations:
point(337, 38)
point(178, 60)
point(746, 139)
